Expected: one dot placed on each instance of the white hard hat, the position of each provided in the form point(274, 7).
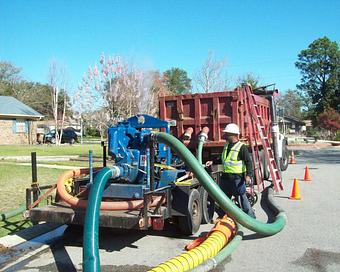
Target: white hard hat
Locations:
point(232, 128)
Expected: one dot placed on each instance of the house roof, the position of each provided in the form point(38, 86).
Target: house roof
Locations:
point(294, 119)
point(12, 107)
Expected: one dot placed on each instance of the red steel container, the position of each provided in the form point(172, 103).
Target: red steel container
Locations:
point(212, 110)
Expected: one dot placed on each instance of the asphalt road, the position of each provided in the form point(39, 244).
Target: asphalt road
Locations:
point(309, 242)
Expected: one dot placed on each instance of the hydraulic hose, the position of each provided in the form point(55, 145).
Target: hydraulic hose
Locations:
point(217, 194)
point(91, 261)
point(105, 205)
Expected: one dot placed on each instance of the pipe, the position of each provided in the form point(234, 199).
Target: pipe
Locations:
point(105, 205)
point(91, 165)
point(104, 153)
point(219, 236)
point(201, 140)
point(275, 132)
point(7, 215)
point(34, 184)
point(91, 261)
point(187, 134)
point(217, 194)
point(152, 165)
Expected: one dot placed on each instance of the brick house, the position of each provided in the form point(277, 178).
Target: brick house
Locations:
point(18, 122)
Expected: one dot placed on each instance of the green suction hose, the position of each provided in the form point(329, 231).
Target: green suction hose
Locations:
point(217, 194)
point(199, 151)
point(91, 261)
point(201, 140)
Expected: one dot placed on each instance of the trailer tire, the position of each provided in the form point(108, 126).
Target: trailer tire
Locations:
point(191, 223)
point(208, 206)
point(264, 166)
point(285, 157)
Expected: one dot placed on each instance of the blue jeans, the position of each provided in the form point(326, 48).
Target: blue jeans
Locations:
point(234, 185)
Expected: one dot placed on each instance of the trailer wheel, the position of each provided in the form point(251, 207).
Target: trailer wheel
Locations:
point(190, 223)
point(264, 166)
point(208, 206)
point(285, 157)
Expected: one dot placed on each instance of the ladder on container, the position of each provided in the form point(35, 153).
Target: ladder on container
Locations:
point(256, 124)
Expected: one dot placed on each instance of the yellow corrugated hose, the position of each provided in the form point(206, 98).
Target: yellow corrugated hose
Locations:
point(217, 238)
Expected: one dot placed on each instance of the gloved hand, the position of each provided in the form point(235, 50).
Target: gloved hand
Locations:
point(208, 163)
point(248, 180)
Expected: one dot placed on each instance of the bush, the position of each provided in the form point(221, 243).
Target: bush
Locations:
point(337, 136)
point(92, 132)
point(313, 132)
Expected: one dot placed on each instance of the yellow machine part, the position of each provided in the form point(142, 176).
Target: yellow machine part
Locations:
point(218, 237)
point(164, 166)
point(69, 185)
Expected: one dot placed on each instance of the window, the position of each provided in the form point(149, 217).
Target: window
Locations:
point(20, 126)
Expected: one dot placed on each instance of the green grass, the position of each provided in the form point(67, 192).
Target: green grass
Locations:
point(50, 150)
point(15, 179)
point(14, 224)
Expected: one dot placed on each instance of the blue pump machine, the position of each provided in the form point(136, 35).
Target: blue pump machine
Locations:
point(129, 146)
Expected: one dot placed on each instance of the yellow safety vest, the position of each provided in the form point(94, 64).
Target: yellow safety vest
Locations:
point(230, 162)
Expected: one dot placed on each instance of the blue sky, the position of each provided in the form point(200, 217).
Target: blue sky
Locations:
point(262, 37)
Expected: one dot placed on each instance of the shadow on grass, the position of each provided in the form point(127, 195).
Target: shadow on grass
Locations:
point(13, 225)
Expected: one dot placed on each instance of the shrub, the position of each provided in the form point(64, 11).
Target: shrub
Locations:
point(337, 136)
point(92, 132)
point(313, 132)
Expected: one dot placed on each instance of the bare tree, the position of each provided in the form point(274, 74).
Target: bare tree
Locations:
point(57, 82)
point(115, 90)
point(211, 77)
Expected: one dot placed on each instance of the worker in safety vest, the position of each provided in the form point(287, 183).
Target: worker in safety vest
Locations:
point(237, 169)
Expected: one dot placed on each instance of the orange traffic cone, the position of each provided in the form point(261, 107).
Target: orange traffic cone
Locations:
point(295, 195)
point(292, 158)
point(307, 175)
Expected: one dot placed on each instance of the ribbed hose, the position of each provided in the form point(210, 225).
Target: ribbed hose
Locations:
point(211, 263)
point(217, 194)
point(91, 261)
point(219, 237)
point(79, 203)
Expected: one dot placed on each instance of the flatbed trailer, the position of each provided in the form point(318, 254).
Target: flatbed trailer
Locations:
point(173, 206)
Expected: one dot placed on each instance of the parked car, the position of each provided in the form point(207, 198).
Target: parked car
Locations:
point(69, 136)
point(77, 131)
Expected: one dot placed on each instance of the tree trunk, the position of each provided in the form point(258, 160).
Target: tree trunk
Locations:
point(62, 120)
